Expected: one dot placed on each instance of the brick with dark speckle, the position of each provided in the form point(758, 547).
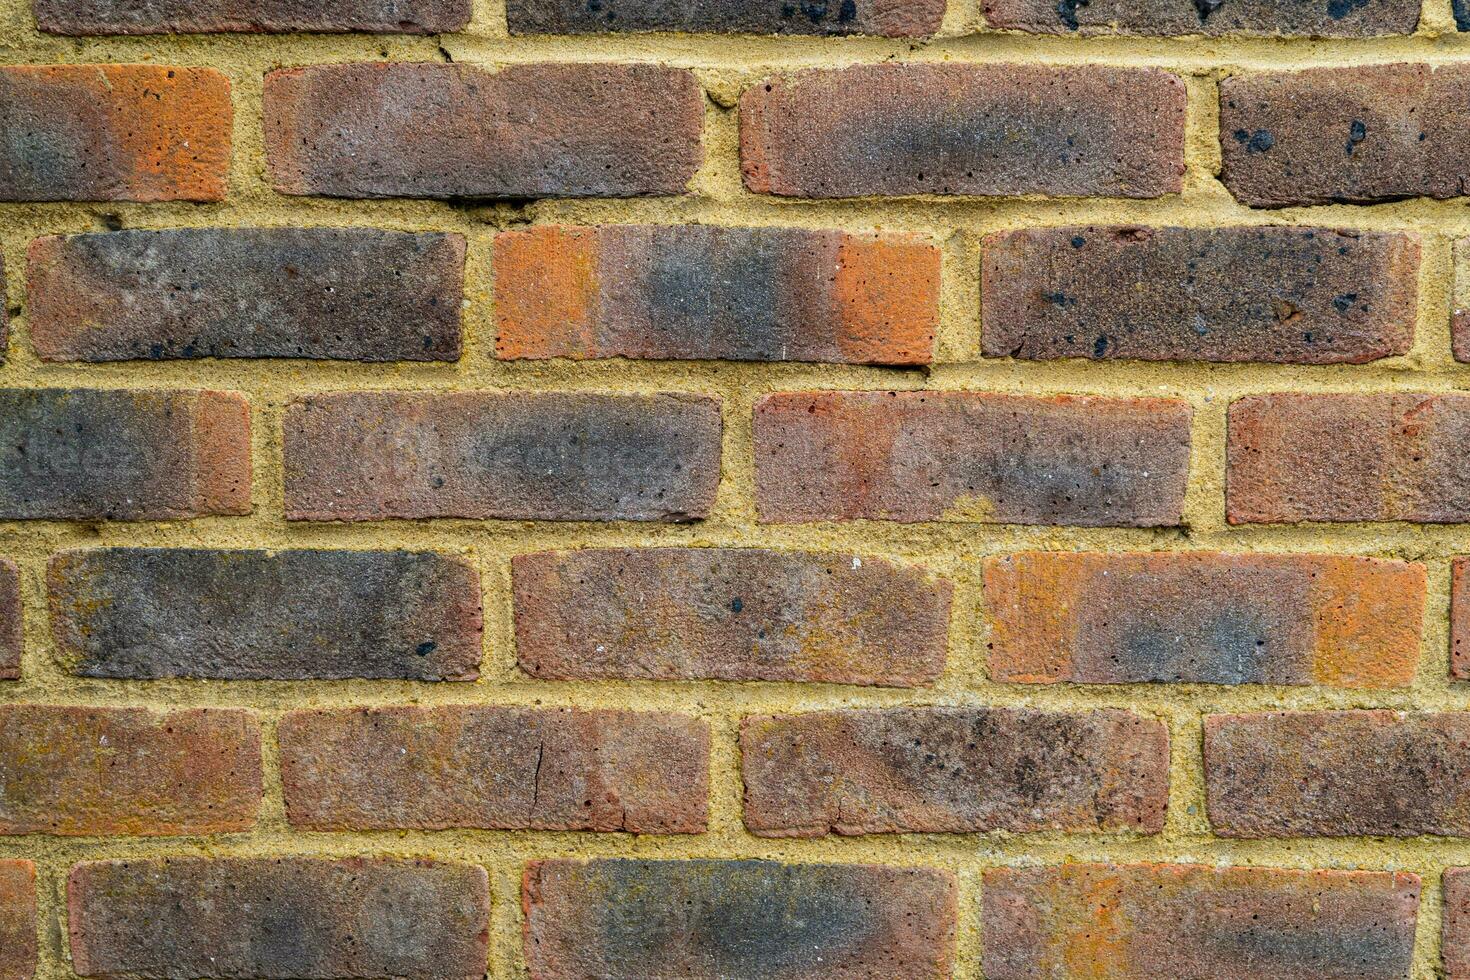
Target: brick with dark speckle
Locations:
point(1290, 18)
point(86, 17)
point(11, 614)
point(886, 18)
point(18, 946)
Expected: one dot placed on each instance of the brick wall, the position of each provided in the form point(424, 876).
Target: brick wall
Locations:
point(595, 489)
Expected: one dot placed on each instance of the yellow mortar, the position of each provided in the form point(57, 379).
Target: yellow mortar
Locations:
point(725, 65)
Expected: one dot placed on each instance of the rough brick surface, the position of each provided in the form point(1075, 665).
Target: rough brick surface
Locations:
point(233, 615)
point(695, 291)
point(278, 917)
point(1348, 457)
point(1145, 921)
point(345, 293)
point(924, 456)
point(94, 771)
point(444, 131)
point(554, 456)
point(122, 455)
point(954, 129)
point(1209, 618)
point(82, 17)
point(889, 18)
point(495, 768)
point(1455, 934)
point(1359, 134)
point(17, 920)
point(113, 133)
point(736, 918)
point(1338, 773)
point(1460, 619)
point(1288, 295)
point(948, 770)
point(1331, 18)
point(728, 614)
point(10, 620)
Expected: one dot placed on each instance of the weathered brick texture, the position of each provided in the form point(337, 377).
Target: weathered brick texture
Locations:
point(278, 917)
point(1142, 921)
point(235, 615)
point(445, 131)
point(1286, 295)
point(943, 770)
point(17, 919)
point(1455, 937)
point(1203, 618)
point(11, 613)
point(739, 294)
point(736, 918)
point(728, 614)
point(495, 768)
point(95, 771)
point(962, 456)
point(889, 18)
point(82, 17)
point(1334, 18)
point(343, 293)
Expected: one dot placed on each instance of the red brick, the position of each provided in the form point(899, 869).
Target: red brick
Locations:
point(971, 456)
point(1377, 457)
point(1460, 619)
point(1365, 18)
point(1285, 295)
point(444, 131)
point(95, 771)
point(113, 133)
point(348, 293)
point(82, 17)
point(496, 769)
point(17, 920)
point(965, 129)
point(1338, 774)
point(1455, 930)
point(888, 18)
point(953, 770)
point(11, 632)
point(1203, 618)
point(1353, 134)
point(622, 918)
point(542, 456)
point(728, 614)
point(695, 291)
point(278, 917)
point(77, 453)
point(1148, 921)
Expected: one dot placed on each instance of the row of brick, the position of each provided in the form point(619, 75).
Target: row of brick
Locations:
point(736, 614)
point(887, 18)
point(372, 917)
point(1268, 294)
point(846, 772)
point(431, 130)
point(906, 456)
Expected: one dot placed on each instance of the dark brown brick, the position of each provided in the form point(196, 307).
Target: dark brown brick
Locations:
point(76, 453)
point(889, 18)
point(286, 615)
point(495, 768)
point(17, 920)
point(347, 293)
point(1331, 18)
point(1455, 930)
point(971, 456)
point(543, 456)
point(695, 291)
point(965, 129)
point(1285, 295)
point(1354, 134)
point(1348, 457)
point(953, 770)
point(113, 133)
point(728, 614)
point(1148, 921)
point(1203, 618)
point(621, 918)
point(94, 771)
point(185, 917)
point(443, 131)
point(82, 17)
point(1338, 774)
point(11, 631)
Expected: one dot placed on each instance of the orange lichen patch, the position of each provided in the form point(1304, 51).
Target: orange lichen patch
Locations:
point(222, 452)
point(546, 293)
point(1096, 946)
point(175, 123)
point(1369, 618)
point(887, 295)
point(1030, 603)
